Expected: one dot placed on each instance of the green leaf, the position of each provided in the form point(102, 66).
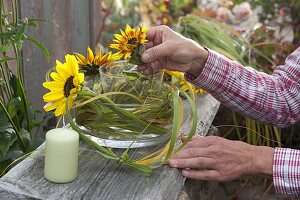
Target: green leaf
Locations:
point(32, 24)
point(25, 136)
point(19, 44)
point(35, 122)
point(35, 143)
point(7, 137)
point(13, 153)
point(41, 46)
point(16, 85)
point(13, 106)
point(3, 164)
point(102, 150)
point(3, 48)
point(6, 36)
point(20, 31)
point(194, 120)
point(134, 75)
point(136, 55)
point(176, 123)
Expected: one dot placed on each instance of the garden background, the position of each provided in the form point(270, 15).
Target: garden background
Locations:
point(266, 34)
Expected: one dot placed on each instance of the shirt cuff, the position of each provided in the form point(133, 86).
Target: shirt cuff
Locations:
point(213, 76)
point(286, 171)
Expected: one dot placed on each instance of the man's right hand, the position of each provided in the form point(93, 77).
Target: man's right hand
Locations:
point(167, 49)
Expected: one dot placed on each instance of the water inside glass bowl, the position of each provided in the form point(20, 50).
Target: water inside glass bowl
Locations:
point(137, 110)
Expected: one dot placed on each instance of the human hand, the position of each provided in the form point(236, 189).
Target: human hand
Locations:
point(170, 50)
point(219, 159)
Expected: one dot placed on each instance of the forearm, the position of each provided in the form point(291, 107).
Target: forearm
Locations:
point(268, 98)
point(282, 164)
point(262, 161)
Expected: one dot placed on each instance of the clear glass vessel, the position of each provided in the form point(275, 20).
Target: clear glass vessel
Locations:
point(131, 109)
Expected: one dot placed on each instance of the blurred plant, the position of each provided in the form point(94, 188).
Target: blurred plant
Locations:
point(226, 40)
point(281, 22)
point(116, 13)
point(17, 119)
point(164, 12)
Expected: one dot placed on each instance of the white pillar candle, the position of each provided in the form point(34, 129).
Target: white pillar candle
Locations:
point(61, 160)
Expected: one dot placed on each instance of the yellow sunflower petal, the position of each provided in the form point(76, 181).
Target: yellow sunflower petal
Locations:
point(143, 41)
point(80, 78)
point(81, 59)
point(127, 54)
point(53, 85)
point(105, 57)
point(90, 56)
point(71, 101)
point(99, 54)
point(123, 33)
point(72, 65)
point(56, 77)
point(117, 56)
point(53, 96)
point(63, 71)
point(144, 28)
point(73, 91)
point(51, 106)
point(115, 46)
point(77, 81)
point(61, 109)
point(58, 62)
point(185, 87)
point(127, 27)
point(119, 37)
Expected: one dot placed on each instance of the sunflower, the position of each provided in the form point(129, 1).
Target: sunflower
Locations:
point(66, 84)
point(129, 40)
point(91, 63)
point(185, 85)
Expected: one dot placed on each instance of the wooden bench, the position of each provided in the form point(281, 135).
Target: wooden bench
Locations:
point(100, 178)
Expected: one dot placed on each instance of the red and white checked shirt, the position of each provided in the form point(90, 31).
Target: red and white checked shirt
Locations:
point(273, 99)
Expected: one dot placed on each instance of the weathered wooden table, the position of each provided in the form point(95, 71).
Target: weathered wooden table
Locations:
point(101, 178)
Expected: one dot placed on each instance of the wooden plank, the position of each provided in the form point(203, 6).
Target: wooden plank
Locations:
point(207, 107)
point(96, 16)
point(99, 178)
point(12, 192)
point(68, 32)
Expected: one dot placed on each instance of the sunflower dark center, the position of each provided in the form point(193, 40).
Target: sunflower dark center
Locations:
point(68, 86)
point(132, 41)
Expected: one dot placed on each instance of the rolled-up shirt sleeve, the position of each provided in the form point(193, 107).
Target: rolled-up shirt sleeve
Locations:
point(273, 99)
point(286, 171)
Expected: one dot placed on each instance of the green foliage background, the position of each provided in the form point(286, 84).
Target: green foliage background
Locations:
point(18, 121)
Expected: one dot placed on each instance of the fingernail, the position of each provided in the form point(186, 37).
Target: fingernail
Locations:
point(185, 172)
point(145, 57)
point(172, 163)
